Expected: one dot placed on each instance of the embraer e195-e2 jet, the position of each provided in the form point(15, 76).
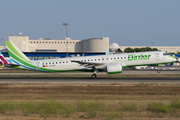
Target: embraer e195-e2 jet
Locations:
point(112, 63)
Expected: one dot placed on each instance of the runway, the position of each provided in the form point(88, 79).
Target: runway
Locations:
point(132, 72)
point(86, 80)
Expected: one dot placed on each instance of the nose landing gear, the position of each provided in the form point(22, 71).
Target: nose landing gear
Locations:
point(158, 71)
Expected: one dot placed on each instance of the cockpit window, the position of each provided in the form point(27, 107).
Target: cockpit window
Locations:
point(164, 54)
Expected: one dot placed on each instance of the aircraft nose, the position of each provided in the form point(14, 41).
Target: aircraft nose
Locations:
point(173, 58)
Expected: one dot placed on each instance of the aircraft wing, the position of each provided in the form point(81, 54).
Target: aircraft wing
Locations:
point(87, 64)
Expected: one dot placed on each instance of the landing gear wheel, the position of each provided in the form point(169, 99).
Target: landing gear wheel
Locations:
point(93, 76)
point(158, 71)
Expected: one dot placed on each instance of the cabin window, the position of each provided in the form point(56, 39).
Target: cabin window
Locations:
point(46, 63)
point(49, 63)
point(94, 59)
point(91, 59)
point(121, 57)
point(53, 63)
point(118, 58)
point(99, 59)
point(60, 62)
point(124, 57)
point(114, 58)
point(111, 58)
point(66, 61)
point(107, 58)
point(63, 61)
point(56, 62)
point(88, 60)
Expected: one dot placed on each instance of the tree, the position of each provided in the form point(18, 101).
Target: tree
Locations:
point(148, 49)
point(171, 53)
point(154, 49)
point(137, 50)
point(128, 50)
point(143, 49)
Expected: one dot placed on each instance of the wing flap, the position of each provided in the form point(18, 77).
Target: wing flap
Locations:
point(87, 64)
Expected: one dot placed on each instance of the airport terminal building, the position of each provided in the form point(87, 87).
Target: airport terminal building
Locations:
point(48, 48)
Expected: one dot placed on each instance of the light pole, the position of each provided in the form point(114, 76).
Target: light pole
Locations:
point(152, 43)
point(2, 42)
point(66, 24)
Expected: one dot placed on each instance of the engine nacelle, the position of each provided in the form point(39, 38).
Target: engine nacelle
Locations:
point(113, 68)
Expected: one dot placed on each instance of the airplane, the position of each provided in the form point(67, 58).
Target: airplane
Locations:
point(3, 60)
point(111, 63)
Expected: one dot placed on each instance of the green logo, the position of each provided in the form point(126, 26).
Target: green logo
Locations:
point(138, 57)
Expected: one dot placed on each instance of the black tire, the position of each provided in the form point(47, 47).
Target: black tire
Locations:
point(158, 71)
point(93, 76)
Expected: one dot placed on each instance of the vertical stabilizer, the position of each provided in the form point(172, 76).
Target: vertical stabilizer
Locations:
point(15, 53)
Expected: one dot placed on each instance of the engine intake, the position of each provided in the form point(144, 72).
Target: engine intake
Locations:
point(113, 68)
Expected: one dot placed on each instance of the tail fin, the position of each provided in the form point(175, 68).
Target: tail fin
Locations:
point(15, 54)
point(2, 59)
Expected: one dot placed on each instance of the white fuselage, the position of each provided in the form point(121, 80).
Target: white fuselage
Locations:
point(126, 59)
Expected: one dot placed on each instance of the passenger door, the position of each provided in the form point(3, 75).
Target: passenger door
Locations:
point(157, 56)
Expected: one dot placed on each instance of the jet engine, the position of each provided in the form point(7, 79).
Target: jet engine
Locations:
point(113, 68)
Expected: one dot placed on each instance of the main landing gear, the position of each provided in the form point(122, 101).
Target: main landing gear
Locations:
point(94, 75)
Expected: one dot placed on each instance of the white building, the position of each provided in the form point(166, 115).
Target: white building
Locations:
point(90, 45)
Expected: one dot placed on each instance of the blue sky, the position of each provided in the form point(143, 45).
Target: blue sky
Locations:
point(126, 22)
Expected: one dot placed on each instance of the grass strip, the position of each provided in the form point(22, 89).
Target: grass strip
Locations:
point(158, 107)
point(6, 107)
